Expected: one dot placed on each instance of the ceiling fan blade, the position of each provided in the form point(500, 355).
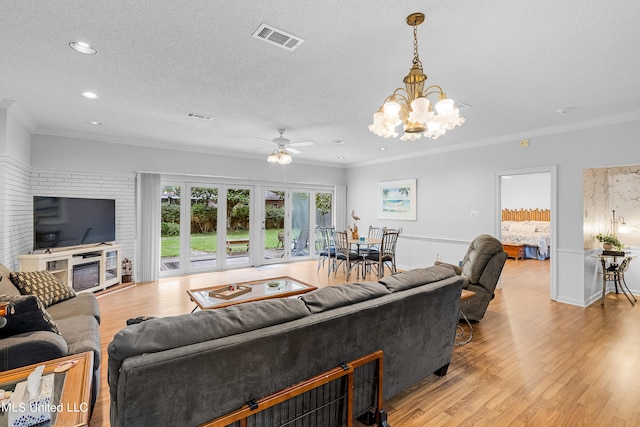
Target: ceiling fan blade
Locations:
point(268, 141)
point(301, 143)
point(293, 150)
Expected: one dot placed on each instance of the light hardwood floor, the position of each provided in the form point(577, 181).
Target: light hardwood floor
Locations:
point(532, 361)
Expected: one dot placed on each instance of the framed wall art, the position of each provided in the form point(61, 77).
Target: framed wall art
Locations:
point(397, 200)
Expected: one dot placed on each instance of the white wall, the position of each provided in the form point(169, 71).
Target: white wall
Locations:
point(15, 198)
point(57, 153)
point(451, 185)
point(526, 191)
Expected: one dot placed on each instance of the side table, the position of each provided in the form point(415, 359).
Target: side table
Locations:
point(466, 294)
point(73, 407)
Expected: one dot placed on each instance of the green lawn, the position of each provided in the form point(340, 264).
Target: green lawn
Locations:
point(207, 242)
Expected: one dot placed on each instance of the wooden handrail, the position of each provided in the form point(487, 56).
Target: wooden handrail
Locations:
point(347, 369)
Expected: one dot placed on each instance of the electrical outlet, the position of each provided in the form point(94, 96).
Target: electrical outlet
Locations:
point(524, 143)
point(475, 212)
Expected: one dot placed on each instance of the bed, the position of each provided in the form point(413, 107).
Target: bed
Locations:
point(530, 228)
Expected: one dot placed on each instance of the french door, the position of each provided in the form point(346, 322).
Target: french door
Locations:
point(210, 229)
point(207, 226)
point(290, 217)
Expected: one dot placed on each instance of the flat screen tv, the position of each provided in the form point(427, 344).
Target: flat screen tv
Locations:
point(71, 221)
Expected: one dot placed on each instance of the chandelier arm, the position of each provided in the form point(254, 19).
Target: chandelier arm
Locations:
point(437, 89)
point(398, 94)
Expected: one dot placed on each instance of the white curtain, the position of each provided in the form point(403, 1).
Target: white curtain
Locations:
point(340, 203)
point(148, 241)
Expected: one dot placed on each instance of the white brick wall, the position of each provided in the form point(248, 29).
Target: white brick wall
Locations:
point(121, 187)
point(16, 220)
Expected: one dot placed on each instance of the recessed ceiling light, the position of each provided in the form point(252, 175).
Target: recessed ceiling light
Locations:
point(82, 47)
point(341, 158)
point(382, 149)
point(89, 95)
point(93, 122)
point(338, 141)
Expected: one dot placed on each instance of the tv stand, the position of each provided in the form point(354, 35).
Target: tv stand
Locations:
point(100, 264)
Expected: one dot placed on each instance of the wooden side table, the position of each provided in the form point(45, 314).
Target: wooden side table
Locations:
point(514, 251)
point(74, 406)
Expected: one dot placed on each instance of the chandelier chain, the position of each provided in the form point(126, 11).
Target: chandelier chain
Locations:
point(416, 59)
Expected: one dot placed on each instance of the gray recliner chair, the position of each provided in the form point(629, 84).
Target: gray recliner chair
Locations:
point(481, 268)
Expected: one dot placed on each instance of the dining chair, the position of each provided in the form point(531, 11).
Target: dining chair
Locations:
point(300, 244)
point(386, 255)
point(344, 255)
point(326, 248)
point(374, 233)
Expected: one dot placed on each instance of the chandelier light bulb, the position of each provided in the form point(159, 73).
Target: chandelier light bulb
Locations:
point(444, 106)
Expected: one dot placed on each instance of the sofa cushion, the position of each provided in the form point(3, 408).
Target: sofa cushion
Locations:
point(83, 304)
point(82, 334)
point(165, 333)
point(42, 284)
point(4, 272)
point(6, 286)
point(28, 315)
point(416, 277)
point(338, 296)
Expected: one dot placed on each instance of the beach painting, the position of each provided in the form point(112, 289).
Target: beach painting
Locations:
point(397, 199)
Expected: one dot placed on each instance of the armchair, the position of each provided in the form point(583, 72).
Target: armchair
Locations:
point(481, 268)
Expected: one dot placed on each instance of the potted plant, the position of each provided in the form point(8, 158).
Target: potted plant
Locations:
point(609, 241)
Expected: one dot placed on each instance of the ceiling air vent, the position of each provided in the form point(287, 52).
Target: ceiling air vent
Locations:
point(278, 37)
point(199, 116)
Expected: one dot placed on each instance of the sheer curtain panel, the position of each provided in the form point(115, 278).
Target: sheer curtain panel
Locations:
point(148, 242)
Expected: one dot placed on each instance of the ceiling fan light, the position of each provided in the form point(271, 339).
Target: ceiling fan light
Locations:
point(285, 159)
point(273, 158)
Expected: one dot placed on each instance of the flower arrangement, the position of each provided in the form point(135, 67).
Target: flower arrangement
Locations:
point(609, 239)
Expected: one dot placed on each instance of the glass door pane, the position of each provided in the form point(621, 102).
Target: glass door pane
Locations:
point(273, 232)
point(324, 205)
point(238, 226)
point(204, 225)
point(170, 228)
point(300, 224)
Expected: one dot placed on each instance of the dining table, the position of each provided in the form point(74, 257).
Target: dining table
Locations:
point(363, 241)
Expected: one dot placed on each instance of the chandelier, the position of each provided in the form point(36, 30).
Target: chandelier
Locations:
point(280, 155)
point(410, 105)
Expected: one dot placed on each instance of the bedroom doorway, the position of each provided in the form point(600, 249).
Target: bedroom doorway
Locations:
point(526, 221)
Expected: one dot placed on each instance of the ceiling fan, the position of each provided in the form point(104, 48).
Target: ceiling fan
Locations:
point(285, 143)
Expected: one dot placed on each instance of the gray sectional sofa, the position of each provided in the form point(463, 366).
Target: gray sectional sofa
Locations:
point(35, 333)
point(189, 369)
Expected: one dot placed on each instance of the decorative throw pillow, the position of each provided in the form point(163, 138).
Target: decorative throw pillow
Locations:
point(28, 315)
point(42, 284)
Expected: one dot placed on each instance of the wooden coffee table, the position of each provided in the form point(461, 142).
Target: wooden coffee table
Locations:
point(72, 388)
point(238, 293)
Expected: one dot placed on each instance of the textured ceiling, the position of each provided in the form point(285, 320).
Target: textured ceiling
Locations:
point(515, 62)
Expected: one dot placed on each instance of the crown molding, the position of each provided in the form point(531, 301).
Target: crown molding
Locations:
point(551, 130)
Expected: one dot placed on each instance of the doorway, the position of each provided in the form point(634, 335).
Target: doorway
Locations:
point(531, 188)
